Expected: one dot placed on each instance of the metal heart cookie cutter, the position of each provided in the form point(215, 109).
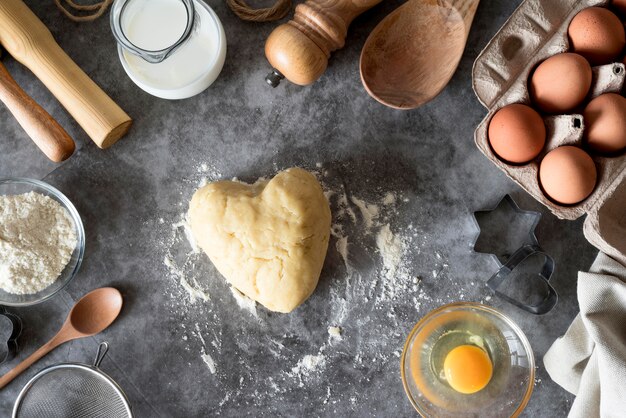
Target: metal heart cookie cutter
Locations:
point(10, 330)
point(508, 234)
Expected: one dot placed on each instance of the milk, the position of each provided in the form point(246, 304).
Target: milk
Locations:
point(158, 24)
point(154, 25)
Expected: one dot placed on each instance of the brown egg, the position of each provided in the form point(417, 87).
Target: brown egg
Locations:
point(597, 34)
point(560, 83)
point(567, 175)
point(517, 133)
point(605, 124)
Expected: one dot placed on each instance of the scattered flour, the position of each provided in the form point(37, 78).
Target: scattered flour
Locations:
point(244, 302)
point(184, 224)
point(37, 240)
point(369, 212)
point(342, 249)
point(391, 250)
point(345, 208)
point(194, 292)
point(208, 360)
point(334, 332)
point(389, 199)
point(395, 276)
point(309, 364)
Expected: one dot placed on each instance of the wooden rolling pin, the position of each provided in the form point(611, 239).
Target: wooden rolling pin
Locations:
point(299, 49)
point(46, 132)
point(30, 42)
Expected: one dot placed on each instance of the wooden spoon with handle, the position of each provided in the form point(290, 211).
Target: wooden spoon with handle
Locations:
point(46, 132)
point(92, 314)
point(412, 54)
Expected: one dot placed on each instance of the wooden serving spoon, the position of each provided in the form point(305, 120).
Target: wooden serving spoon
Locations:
point(412, 54)
point(92, 314)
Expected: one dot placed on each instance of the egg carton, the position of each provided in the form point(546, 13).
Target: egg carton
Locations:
point(536, 31)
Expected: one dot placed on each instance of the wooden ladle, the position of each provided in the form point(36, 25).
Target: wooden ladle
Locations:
point(92, 314)
point(412, 54)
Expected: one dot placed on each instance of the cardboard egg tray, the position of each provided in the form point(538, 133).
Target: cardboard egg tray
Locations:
point(537, 30)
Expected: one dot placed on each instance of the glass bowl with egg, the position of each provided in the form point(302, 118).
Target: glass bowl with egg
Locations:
point(467, 359)
point(42, 241)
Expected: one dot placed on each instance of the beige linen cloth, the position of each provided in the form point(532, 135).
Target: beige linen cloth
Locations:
point(590, 359)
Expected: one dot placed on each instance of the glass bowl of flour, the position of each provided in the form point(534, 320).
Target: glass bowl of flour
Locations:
point(42, 241)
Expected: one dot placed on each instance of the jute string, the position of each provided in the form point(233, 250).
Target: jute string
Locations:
point(245, 12)
point(90, 12)
point(83, 12)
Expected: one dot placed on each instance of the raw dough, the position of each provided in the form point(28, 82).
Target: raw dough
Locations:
point(269, 239)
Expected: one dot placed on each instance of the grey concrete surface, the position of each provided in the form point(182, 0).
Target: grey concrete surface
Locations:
point(242, 128)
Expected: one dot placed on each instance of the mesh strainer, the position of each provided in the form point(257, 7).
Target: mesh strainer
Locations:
point(73, 390)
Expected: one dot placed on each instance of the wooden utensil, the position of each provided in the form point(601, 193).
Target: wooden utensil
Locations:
point(412, 54)
point(299, 49)
point(30, 42)
point(46, 132)
point(92, 314)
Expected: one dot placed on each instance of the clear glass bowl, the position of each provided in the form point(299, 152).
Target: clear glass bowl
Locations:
point(511, 384)
point(13, 186)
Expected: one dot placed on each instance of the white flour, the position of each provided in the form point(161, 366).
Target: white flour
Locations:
point(369, 212)
point(342, 249)
point(395, 272)
point(194, 292)
point(180, 269)
point(391, 250)
point(37, 239)
point(208, 360)
point(244, 302)
point(334, 332)
point(308, 365)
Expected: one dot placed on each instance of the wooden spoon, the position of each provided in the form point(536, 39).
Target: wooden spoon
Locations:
point(412, 54)
point(92, 314)
point(46, 132)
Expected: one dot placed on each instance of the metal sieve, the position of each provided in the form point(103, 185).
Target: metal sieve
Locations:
point(73, 390)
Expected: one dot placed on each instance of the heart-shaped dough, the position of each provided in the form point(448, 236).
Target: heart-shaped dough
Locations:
point(268, 239)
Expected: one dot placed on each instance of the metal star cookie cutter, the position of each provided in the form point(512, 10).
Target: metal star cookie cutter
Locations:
point(10, 330)
point(522, 244)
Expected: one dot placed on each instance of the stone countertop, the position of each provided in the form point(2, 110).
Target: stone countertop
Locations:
point(130, 196)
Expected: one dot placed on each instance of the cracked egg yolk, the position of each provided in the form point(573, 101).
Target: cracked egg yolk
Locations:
point(467, 369)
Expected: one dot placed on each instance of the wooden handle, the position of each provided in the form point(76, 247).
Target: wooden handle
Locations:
point(30, 42)
point(49, 136)
point(300, 48)
point(26, 363)
point(467, 10)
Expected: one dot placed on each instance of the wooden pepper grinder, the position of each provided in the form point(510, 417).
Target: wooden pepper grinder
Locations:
point(299, 49)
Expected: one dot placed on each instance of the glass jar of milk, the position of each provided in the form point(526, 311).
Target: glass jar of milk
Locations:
point(172, 49)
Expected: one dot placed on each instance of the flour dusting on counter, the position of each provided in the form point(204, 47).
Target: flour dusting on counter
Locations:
point(208, 360)
point(194, 292)
point(244, 302)
point(342, 248)
point(334, 332)
point(369, 212)
point(307, 366)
